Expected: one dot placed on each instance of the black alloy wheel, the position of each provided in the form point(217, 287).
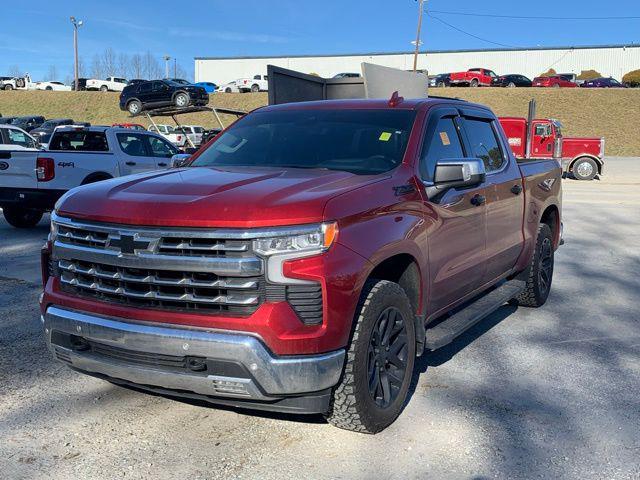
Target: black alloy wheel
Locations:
point(387, 359)
point(545, 271)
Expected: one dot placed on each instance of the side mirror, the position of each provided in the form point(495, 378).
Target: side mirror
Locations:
point(457, 173)
point(179, 160)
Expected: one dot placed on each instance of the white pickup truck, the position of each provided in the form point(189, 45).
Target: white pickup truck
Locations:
point(109, 84)
point(179, 139)
point(17, 83)
point(31, 182)
point(193, 132)
point(259, 83)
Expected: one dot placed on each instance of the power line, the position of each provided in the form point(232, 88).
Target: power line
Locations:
point(469, 33)
point(529, 17)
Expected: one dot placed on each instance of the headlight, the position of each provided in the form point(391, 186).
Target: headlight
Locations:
point(315, 239)
point(299, 243)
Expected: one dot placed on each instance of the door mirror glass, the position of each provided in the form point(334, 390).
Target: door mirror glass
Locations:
point(180, 160)
point(456, 173)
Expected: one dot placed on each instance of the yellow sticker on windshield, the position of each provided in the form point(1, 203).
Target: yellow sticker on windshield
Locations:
point(385, 136)
point(445, 138)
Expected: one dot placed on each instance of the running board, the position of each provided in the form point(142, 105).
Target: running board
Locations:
point(454, 326)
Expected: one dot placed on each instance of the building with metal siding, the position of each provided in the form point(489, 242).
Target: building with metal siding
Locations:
point(609, 60)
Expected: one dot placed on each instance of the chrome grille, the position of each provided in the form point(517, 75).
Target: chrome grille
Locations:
point(161, 288)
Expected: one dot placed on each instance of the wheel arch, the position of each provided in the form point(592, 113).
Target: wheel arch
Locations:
point(403, 269)
point(96, 177)
point(596, 159)
point(551, 217)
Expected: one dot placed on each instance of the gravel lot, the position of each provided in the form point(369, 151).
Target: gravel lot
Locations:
point(548, 393)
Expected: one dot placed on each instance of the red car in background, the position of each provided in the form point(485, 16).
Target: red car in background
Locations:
point(132, 126)
point(556, 81)
point(474, 77)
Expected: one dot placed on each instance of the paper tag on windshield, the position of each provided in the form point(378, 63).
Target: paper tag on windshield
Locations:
point(385, 136)
point(445, 138)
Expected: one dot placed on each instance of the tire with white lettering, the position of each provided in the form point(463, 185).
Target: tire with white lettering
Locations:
point(379, 364)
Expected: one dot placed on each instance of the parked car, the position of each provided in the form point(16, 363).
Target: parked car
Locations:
point(555, 81)
point(572, 77)
point(6, 120)
point(136, 80)
point(230, 87)
point(32, 182)
point(259, 83)
point(168, 132)
point(160, 93)
point(304, 259)
point(439, 81)
point(43, 133)
point(583, 158)
point(82, 84)
point(55, 86)
point(109, 84)
point(180, 81)
point(474, 77)
point(511, 81)
point(132, 126)
point(14, 138)
point(347, 75)
point(603, 83)
point(209, 87)
point(28, 123)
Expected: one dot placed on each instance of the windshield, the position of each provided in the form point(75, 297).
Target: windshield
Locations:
point(363, 142)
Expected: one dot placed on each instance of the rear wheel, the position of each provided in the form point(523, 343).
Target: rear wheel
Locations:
point(21, 217)
point(134, 107)
point(585, 169)
point(511, 85)
point(539, 274)
point(227, 90)
point(255, 88)
point(8, 87)
point(379, 364)
point(49, 88)
point(181, 100)
point(557, 85)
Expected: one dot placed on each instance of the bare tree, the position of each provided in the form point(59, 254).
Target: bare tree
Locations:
point(135, 67)
point(181, 72)
point(123, 65)
point(151, 66)
point(96, 67)
point(53, 73)
point(14, 71)
point(109, 62)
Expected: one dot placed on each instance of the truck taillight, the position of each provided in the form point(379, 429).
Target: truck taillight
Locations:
point(45, 169)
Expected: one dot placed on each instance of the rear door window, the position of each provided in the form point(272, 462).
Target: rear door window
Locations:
point(80, 141)
point(133, 144)
point(484, 144)
point(16, 137)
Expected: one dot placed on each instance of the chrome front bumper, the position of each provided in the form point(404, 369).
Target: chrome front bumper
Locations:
point(151, 356)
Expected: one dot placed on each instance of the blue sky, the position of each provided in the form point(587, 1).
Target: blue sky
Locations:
point(38, 34)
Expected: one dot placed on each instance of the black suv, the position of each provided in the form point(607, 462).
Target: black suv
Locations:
point(160, 93)
point(28, 123)
point(44, 131)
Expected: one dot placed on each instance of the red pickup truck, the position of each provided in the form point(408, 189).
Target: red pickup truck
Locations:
point(581, 157)
point(474, 77)
point(303, 258)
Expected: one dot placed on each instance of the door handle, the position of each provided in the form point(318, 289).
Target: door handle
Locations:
point(516, 189)
point(478, 200)
point(162, 164)
point(131, 164)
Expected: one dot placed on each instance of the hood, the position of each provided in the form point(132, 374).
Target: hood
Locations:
point(241, 197)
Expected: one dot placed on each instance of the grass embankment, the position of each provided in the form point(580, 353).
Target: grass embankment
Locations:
point(613, 114)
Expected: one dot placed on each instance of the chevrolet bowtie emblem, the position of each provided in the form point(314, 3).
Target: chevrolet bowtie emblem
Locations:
point(128, 244)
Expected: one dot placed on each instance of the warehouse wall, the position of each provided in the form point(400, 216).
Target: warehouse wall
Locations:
point(612, 61)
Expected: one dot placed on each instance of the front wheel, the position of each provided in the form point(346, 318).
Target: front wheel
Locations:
point(255, 88)
point(21, 217)
point(104, 88)
point(8, 87)
point(49, 88)
point(511, 85)
point(585, 169)
point(539, 273)
point(475, 83)
point(181, 100)
point(379, 364)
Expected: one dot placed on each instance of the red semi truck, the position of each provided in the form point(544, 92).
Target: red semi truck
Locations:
point(474, 77)
point(542, 138)
point(303, 258)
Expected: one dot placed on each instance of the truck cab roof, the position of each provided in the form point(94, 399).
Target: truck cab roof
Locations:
point(365, 104)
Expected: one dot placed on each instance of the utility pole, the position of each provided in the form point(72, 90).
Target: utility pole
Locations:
point(175, 68)
point(76, 25)
point(166, 65)
point(421, 4)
